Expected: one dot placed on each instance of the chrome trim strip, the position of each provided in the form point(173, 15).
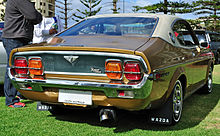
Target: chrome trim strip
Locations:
point(80, 83)
point(107, 71)
point(181, 63)
point(74, 74)
point(127, 56)
point(19, 67)
point(35, 68)
point(26, 68)
point(126, 97)
point(78, 53)
point(132, 73)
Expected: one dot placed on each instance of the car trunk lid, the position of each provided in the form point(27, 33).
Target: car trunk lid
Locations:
point(102, 41)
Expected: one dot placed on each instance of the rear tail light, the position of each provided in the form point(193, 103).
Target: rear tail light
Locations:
point(113, 69)
point(35, 66)
point(132, 70)
point(20, 64)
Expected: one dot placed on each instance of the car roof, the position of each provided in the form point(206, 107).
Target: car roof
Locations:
point(162, 30)
point(134, 15)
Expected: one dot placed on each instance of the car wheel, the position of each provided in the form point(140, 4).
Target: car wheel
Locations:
point(170, 113)
point(177, 102)
point(207, 88)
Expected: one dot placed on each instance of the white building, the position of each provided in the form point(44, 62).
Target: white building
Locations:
point(45, 7)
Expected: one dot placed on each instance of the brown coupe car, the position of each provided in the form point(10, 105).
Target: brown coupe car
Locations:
point(133, 62)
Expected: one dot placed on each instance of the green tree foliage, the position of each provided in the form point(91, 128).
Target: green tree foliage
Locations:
point(195, 24)
point(166, 7)
point(209, 10)
point(90, 11)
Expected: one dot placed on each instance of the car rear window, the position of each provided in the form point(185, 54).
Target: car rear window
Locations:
point(119, 26)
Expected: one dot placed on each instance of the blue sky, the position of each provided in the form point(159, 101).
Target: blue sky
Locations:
point(107, 6)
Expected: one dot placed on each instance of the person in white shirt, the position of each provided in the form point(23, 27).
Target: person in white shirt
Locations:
point(46, 29)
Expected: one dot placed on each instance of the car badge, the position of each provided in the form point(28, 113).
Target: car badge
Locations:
point(96, 70)
point(71, 59)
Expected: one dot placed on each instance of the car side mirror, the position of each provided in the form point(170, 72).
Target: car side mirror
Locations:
point(204, 44)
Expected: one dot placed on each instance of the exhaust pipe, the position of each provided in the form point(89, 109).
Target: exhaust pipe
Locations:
point(107, 115)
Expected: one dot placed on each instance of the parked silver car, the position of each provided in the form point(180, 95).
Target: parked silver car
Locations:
point(212, 40)
point(3, 57)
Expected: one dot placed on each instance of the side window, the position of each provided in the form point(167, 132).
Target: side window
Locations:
point(137, 28)
point(108, 28)
point(214, 37)
point(112, 29)
point(91, 29)
point(183, 33)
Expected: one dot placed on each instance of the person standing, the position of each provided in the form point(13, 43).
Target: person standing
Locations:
point(20, 18)
point(47, 28)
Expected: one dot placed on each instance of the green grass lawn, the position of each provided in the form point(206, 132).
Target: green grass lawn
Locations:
point(201, 117)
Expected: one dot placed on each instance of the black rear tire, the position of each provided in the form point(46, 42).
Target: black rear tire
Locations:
point(170, 113)
point(207, 88)
point(177, 102)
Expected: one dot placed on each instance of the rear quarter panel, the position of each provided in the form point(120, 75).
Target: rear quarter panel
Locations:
point(170, 63)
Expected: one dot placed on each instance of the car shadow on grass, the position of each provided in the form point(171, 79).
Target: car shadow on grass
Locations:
point(2, 90)
point(195, 110)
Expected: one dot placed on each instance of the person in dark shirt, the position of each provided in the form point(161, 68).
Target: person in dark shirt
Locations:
point(20, 18)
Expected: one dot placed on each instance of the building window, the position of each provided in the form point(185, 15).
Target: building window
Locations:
point(50, 7)
point(51, 14)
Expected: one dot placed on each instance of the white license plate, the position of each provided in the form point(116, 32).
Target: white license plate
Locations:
point(75, 97)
